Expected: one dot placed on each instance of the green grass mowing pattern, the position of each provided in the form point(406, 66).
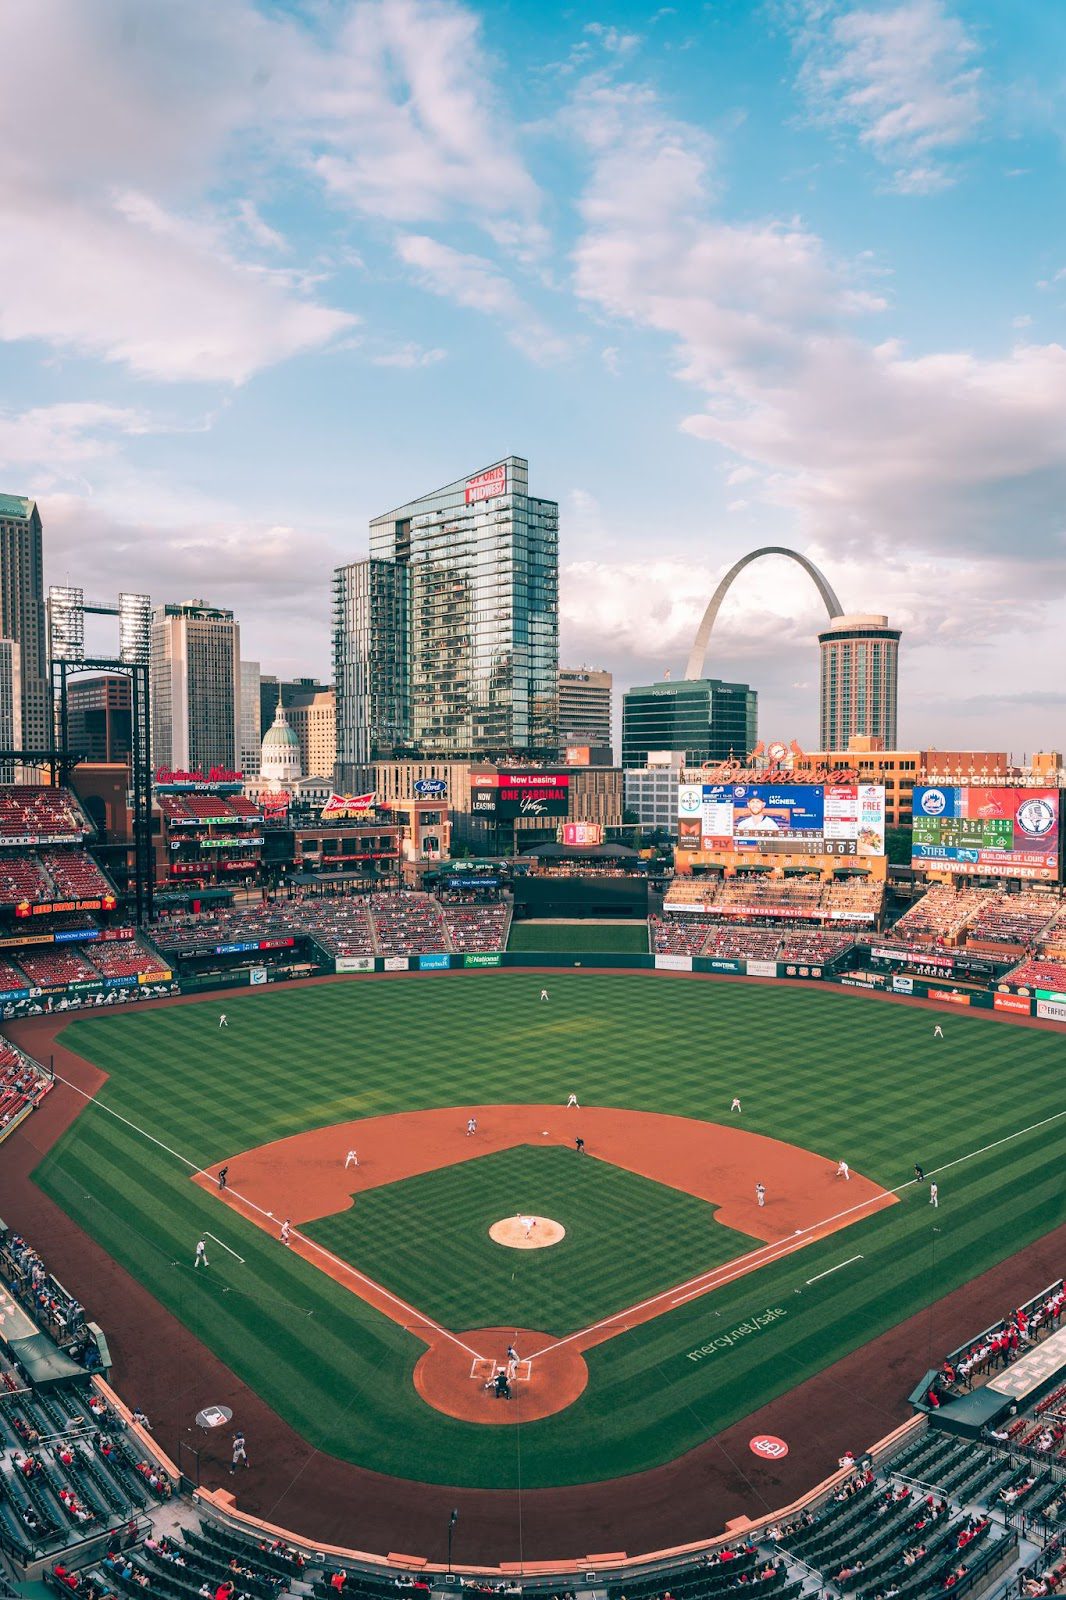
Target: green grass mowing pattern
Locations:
point(839, 1073)
point(627, 1238)
point(610, 938)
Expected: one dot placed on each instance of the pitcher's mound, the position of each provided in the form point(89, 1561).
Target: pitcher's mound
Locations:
point(527, 1232)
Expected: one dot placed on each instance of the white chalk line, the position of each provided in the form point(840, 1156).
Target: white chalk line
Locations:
point(310, 1244)
point(225, 1246)
point(830, 1270)
point(703, 1282)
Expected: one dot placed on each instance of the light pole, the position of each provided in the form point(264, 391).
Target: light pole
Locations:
point(452, 1520)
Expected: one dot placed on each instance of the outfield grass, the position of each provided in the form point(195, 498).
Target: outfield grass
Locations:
point(839, 1073)
point(627, 1237)
point(629, 938)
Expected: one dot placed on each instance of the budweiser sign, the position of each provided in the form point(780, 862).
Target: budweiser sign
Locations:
point(348, 805)
point(486, 485)
point(737, 772)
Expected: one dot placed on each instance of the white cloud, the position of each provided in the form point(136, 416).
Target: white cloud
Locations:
point(611, 359)
point(409, 355)
point(866, 444)
point(478, 285)
point(54, 439)
point(902, 76)
point(614, 40)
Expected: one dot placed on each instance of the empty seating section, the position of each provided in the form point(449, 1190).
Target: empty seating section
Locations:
point(341, 926)
point(22, 878)
point(30, 812)
point(75, 874)
point(732, 943)
point(1039, 973)
point(49, 965)
point(123, 958)
point(1014, 918)
point(846, 901)
point(477, 927)
point(787, 897)
point(408, 923)
point(691, 891)
point(11, 977)
point(941, 916)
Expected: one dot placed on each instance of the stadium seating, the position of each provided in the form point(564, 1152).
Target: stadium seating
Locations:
point(691, 891)
point(123, 958)
point(50, 965)
point(472, 927)
point(21, 878)
point(678, 935)
point(807, 944)
point(75, 874)
point(1039, 973)
point(341, 925)
point(940, 916)
point(732, 943)
point(30, 811)
point(407, 923)
point(23, 1085)
point(1014, 918)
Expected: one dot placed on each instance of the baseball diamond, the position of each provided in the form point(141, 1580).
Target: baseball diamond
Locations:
point(674, 1310)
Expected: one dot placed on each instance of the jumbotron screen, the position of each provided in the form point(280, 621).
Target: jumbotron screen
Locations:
point(839, 819)
point(995, 832)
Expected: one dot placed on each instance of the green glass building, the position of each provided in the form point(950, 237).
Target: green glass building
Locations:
point(706, 718)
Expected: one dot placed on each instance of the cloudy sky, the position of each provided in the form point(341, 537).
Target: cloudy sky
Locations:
point(728, 274)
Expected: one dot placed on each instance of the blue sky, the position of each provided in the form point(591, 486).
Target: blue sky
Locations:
point(728, 274)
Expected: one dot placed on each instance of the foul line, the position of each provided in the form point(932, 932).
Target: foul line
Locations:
point(830, 1270)
point(311, 1244)
point(225, 1246)
point(703, 1282)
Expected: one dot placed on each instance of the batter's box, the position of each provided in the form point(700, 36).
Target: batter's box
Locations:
point(484, 1370)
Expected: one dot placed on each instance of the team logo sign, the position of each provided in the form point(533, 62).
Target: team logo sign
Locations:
point(769, 1446)
point(933, 802)
point(1036, 817)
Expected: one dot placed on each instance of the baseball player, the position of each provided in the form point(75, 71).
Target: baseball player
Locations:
point(544, 994)
point(571, 1100)
point(938, 1032)
point(201, 1254)
point(286, 1231)
point(223, 1021)
point(471, 1126)
point(223, 1177)
point(240, 1452)
point(760, 1195)
point(351, 1160)
point(736, 1104)
point(934, 1196)
point(528, 1223)
point(842, 1170)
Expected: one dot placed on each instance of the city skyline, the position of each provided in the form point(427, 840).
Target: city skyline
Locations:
point(725, 277)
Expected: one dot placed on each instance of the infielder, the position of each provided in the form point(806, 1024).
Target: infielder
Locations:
point(351, 1160)
point(760, 1194)
point(842, 1170)
point(286, 1230)
point(572, 1101)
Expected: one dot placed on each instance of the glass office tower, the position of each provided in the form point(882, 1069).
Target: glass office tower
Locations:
point(708, 719)
point(481, 558)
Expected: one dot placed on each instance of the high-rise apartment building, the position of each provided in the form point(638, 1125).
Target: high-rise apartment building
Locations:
point(252, 724)
point(585, 707)
point(370, 662)
point(313, 719)
point(196, 687)
point(100, 717)
point(706, 718)
point(860, 659)
point(22, 618)
point(481, 562)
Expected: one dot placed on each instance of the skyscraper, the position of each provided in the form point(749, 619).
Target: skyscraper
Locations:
point(481, 560)
point(196, 687)
point(860, 658)
point(251, 720)
point(100, 717)
point(708, 719)
point(584, 707)
point(370, 660)
point(22, 614)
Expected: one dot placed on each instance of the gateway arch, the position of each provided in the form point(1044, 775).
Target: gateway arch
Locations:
point(694, 667)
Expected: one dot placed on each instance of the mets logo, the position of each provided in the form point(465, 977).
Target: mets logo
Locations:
point(934, 802)
point(1036, 817)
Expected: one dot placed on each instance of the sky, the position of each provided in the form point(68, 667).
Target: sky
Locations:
point(727, 274)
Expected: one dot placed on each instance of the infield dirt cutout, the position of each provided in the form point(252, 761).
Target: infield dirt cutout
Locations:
point(304, 1177)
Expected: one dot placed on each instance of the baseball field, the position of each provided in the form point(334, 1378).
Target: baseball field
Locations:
point(659, 1214)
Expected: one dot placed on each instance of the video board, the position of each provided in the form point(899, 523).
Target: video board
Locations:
point(838, 819)
point(994, 832)
point(504, 796)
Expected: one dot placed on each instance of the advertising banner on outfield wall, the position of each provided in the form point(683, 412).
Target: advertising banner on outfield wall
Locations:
point(436, 961)
point(1019, 1004)
point(902, 985)
point(794, 970)
point(761, 969)
point(355, 963)
point(951, 996)
point(257, 976)
point(482, 958)
point(396, 964)
point(1051, 1010)
point(1051, 994)
point(671, 963)
point(719, 964)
